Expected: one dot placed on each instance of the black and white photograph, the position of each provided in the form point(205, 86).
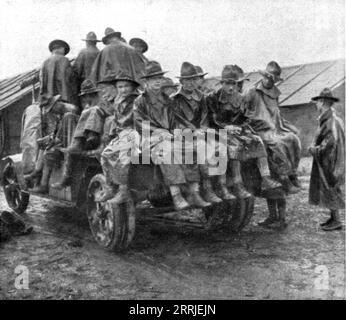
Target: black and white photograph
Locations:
point(172, 150)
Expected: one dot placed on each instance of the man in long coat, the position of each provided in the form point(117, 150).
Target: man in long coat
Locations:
point(115, 57)
point(227, 112)
point(328, 168)
point(86, 57)
point(56, 74)
point(280, 137)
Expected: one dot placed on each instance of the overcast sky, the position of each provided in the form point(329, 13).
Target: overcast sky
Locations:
point(210, 33)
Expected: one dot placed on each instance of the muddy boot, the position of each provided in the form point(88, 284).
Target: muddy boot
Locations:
point(273, 217)
point(326, 222)
point(108, 193)
point(294, 180)
point(122, 195)
point(225, 194)
point(178, 200)
point(209, 194)
point(92, 140)
point(195, 198)
point(334, 223)
point(240, 192)
point(43, 186)
point(268, 184)
point(67, 175)
point(76, 147)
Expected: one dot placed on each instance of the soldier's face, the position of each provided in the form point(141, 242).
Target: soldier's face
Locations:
point(124, 87)
point(107, 91)
point(229, 87)
point(188, 84)
point(168, 90)
point(199, 82)
point(154, 83)
point(268, 81)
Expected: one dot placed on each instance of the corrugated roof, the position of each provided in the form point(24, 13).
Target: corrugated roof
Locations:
point(301, 82)
point(10, 90)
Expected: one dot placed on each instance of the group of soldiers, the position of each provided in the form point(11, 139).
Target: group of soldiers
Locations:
point(116, 94)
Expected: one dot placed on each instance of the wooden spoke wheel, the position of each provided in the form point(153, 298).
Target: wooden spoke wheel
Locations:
point(112, 225)
point(241, 212)
point(17, 199)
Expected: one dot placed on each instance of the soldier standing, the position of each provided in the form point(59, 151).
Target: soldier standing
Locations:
point(86, 57)
point(57, 76)
point(328, 168)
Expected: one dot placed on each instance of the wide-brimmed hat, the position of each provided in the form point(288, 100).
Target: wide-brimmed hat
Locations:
point(200, 71)
point(327, 94)
point(57, 43)
point(112, 78)
point(109, 32)
point(188, 70)
point(91, 36)
point(168, 83)
point(231, 73)
point(153, 69)
point(273, 70)
point(241, 73)
point(47, 101)
point(141, 42)
point(88, 87)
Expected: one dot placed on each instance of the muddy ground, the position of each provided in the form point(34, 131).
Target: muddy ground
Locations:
point(64, 262)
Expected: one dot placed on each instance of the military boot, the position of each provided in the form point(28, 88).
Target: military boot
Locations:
point(67, 175)
point(178, 200)
point(43, 185)
point(288, 186)
point(209, 194)
point(268, 184)
point(195, 198)
point(225, 194)
point(294, 179)
point(240, 192)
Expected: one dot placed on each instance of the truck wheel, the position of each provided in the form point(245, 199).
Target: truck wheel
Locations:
point(17, 199)
point(242, 212)
point(112, 224)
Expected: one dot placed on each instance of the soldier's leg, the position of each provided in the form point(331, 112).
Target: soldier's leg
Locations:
point(273, 214)
point(267, 182)
point(281, 207)
point(42, 187)
point(238, 186)
point(115, 161)
point(94, 127)
point(67, 173)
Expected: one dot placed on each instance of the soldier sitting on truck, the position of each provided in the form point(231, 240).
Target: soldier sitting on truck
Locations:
point(227, 112)
point(52, 113)
point(115, 158)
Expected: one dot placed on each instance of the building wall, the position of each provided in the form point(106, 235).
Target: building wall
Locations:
point(304, 117)
point(12, 117)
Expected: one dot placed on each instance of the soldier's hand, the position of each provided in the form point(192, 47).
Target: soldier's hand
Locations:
point(312, 150)
point(233, 129)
